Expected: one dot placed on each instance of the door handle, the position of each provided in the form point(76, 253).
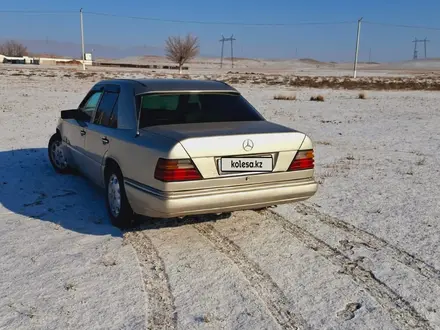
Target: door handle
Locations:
point(104, 140)
point(83, 132)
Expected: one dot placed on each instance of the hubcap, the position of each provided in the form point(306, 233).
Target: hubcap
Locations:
point(57, 154)
point(114, 195)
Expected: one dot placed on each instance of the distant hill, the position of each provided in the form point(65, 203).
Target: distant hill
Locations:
point(135, 54)
point(310, 61)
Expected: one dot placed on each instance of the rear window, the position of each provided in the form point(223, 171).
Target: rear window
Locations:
point(181, 108)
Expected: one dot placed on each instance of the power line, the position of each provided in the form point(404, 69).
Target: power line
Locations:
point(42, 12)
point(37, 12)
point(404, 26)
point(174, 20)
point(217, 22)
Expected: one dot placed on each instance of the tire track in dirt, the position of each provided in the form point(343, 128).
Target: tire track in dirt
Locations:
point(161, 309)
point(275, 300)
point(400, 310)
point(375, 243)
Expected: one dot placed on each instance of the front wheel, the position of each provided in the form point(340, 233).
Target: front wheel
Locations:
point(57, 154)
point(118, 207)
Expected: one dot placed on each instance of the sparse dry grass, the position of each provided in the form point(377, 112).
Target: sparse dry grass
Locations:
point(183, 76)
point(325, 143)
point(421, 161)
point(286, 97)
point(319, 98)
point(23, 310)
point(109, 261)
point(339, 168)
point(84, 75)
point(363, 83)
point(207, 318)
point(69, 286)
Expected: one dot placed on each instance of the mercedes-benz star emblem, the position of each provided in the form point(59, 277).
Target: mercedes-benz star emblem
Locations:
point(248, 145)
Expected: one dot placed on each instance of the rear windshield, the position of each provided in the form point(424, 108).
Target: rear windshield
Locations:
point(181, 108)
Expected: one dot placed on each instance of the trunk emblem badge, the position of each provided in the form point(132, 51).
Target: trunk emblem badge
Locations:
point(248, 145)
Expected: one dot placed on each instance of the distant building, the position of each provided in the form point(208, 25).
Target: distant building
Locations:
point(37, 60)
point(18, 60)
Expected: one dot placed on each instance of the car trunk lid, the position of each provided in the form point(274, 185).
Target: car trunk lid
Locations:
point(237, 148)
point(232, 138)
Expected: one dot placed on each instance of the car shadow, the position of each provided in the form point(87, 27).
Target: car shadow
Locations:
point(145, 223)
point(29, 186)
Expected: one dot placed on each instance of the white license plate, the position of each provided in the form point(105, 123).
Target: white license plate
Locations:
point(246, 164)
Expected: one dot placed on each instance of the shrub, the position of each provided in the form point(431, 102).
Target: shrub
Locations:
point(13, 48)
point(291, 97)
point(318, 98)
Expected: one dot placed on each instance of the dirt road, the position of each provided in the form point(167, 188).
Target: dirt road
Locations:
point(271, 263)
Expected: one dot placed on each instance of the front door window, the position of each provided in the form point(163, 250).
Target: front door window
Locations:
point(90, 104)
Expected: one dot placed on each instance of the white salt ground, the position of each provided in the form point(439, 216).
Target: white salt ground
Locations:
point(363, 253)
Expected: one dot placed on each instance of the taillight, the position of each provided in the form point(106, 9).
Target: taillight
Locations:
point(176, 170)
point(304, 160)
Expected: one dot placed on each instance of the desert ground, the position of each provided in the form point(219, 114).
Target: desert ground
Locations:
point(363, 253)
point(302, 66)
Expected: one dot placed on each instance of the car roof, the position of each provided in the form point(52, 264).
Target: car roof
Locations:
point(142, 86)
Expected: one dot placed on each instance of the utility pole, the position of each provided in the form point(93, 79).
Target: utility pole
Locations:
point(231, 39)
point(82, 40)
point(357, 47)
point(415, 48)
point(415, 55)
point(425, 41)
point(223, 44)
point(232, 50)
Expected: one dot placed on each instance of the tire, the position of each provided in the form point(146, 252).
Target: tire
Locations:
point(114, 188)
point(56, 155)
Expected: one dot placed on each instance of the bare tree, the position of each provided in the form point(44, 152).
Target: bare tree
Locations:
point(13, 48)
point(180, 50)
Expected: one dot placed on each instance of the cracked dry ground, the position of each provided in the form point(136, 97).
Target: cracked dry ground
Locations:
point(260, 270)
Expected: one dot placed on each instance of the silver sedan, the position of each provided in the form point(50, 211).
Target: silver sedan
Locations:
point(170, 148)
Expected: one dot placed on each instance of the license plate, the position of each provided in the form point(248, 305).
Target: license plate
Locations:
point(246, 164)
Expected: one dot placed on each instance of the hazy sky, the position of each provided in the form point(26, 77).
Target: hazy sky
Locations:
point(323, 42)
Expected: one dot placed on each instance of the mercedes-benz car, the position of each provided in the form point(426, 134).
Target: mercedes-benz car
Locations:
point(176, 147)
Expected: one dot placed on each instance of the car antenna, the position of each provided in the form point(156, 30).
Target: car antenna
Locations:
point(138, 119)
point(137, 123)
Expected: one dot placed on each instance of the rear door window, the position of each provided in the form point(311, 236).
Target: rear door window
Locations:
point(106, 114)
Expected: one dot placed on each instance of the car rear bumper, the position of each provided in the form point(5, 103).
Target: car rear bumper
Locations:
point(151, 202)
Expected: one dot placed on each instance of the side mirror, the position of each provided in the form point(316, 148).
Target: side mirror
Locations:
point(69, 114)
point(75, 114)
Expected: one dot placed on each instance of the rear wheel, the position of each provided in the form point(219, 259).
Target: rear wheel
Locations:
point(118, 207)
point(57, 155)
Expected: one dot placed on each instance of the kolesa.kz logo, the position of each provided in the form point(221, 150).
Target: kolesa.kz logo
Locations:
point(240, 164)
